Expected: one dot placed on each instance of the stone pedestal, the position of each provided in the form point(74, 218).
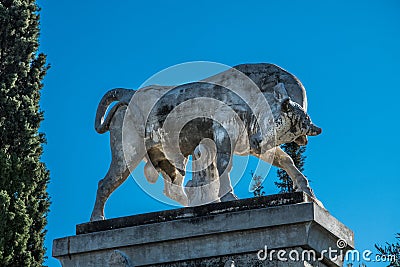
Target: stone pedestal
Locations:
point(277, 230)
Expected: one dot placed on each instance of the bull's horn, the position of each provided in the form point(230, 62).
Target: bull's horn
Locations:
point(314, 130)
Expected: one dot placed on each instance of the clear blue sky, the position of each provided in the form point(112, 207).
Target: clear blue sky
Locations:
point(346, 53)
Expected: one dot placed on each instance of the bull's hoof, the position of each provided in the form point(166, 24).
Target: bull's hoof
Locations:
point(229, 197)
point(310, 192)
point(183, 201)
point(96, 217)
point(306, 190)
point(319, 203)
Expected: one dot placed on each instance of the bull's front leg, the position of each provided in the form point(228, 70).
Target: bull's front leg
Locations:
point(224, 163)
point(284, 161)
point(280, 159)
point(224, 166)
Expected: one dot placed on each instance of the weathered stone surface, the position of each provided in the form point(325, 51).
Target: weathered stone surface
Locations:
point(210, 235)
point(193, 212)
point(119, 259)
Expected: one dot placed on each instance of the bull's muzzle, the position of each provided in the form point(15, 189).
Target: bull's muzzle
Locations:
point(314, 130)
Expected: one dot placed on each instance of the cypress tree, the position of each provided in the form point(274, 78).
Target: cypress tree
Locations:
point(256, 185)
point(296, 152)
point(390, 252)
point(24, 201)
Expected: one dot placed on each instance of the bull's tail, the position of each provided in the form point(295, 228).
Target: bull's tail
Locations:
point(102, 124)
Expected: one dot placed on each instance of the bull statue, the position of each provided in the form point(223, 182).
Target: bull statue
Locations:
point(250, 109)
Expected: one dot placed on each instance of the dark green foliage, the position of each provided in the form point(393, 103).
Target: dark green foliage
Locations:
point(256, 185)
point(391, 252)
point(296, 152)
point(24, 202)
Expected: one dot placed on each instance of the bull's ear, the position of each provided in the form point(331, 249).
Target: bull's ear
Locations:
point(285, 105)
point(280, 92)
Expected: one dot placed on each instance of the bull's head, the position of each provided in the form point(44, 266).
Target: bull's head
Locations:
point(292, 125)
point(295, 124)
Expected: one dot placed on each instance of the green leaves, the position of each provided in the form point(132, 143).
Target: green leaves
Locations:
point(391, 252)
point(24, 201)
point(256, 185)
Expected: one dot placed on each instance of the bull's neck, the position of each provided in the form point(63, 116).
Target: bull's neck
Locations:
point(283, 132)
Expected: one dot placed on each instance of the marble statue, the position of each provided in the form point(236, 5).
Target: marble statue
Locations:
point(249, 109)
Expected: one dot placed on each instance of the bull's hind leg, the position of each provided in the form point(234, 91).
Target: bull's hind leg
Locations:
point(115, 176)
point(224, 163)
point(173, 182)
point(120, 166)
point(224, 166)
point(173, 189)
